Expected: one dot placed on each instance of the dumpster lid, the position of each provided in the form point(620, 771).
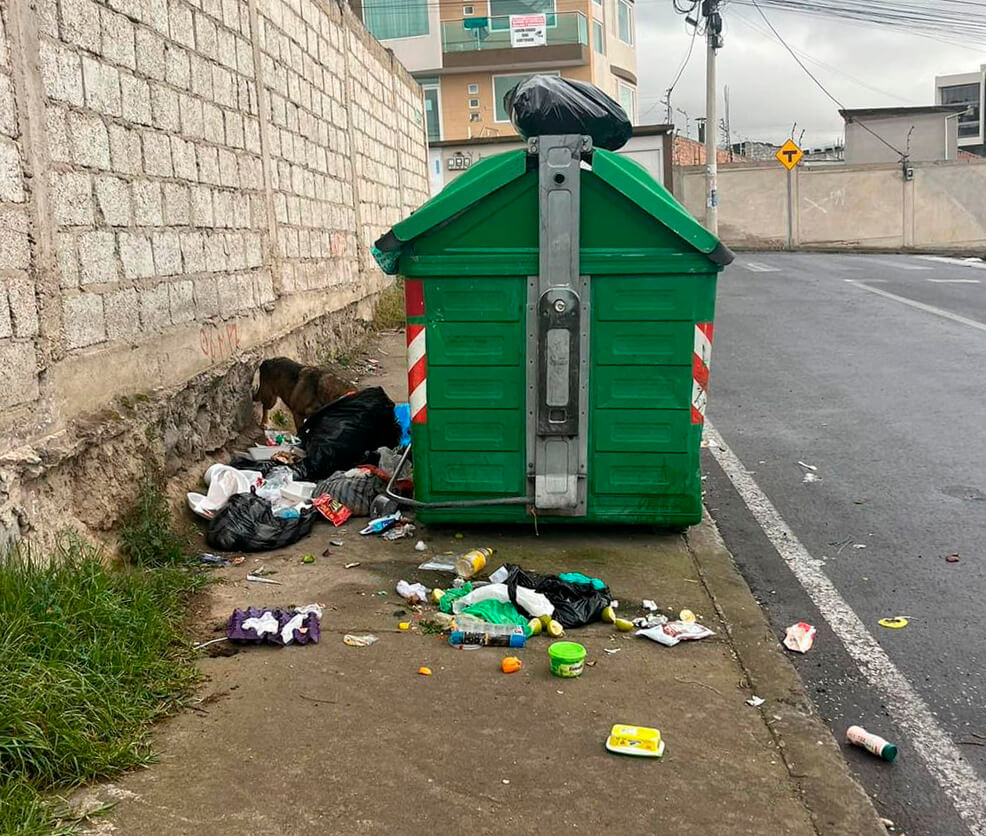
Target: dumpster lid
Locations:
point(627, 177)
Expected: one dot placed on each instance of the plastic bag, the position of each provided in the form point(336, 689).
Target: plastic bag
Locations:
point(549, 104)
point(248, 524)
point(575, 604)
point(223, 481)
point(533, 603)
point(338, 436)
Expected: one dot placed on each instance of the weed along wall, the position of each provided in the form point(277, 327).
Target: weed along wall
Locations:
point(185, 186)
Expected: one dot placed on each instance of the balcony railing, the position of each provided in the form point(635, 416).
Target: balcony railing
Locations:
point(562, 28)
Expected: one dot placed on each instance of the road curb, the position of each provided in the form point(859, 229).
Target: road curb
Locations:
point(838, 805)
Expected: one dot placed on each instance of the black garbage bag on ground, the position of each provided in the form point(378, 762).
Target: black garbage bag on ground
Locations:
point(247, 524)
point(338, 436)
point(549, 104)
point(246, 463)
point(575, 603)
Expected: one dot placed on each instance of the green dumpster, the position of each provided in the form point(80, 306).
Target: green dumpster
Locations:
point(559, 325)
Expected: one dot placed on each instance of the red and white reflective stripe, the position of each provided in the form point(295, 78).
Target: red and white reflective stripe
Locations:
point(417, 373)
point(414, 297)
point(700, 371)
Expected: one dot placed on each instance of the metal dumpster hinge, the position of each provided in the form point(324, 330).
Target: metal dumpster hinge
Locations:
point(558, 329)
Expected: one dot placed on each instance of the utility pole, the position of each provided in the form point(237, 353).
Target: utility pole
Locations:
point(713, 31)
point(729, 133)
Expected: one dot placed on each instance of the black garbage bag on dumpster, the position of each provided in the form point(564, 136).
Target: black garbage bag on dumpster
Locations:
point(549, 104)
point(338, 436)
point(247, 524)
point(575, 603)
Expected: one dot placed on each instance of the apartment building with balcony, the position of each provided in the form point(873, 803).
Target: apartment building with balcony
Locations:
point(468, 55)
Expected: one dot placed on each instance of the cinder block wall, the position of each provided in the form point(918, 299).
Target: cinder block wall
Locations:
point(185, 186)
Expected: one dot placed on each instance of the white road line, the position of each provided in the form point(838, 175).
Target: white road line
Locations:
point(978, 264)
point(928, 740)
point(964, 320)
point(954, 281)
point(759, 267)
point(900, 265)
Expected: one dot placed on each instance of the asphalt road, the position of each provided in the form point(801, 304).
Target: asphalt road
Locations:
point(885, 396)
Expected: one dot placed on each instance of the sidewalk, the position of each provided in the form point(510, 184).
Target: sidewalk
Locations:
point(346, 740)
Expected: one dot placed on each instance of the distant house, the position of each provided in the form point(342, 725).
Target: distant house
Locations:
point(966, 89)
point(882, 134)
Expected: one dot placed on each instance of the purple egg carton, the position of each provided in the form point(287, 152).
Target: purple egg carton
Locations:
point(267, 626)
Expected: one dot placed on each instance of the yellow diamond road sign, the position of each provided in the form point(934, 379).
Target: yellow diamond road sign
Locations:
point(789, 154)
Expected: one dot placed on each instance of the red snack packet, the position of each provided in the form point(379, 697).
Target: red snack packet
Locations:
point(332, 509)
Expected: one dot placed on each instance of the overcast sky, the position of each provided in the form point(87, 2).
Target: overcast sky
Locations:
point(768, 91)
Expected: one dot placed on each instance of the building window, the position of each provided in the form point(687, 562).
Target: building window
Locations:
point(502, 84)
point(468, 10)
point(473, 89)
point(500, 11)
point(474, 104)
point(433, 114)
point(624, 15)
point(628, 101)
point(968, 95)
point(598, 2)
point(386, 19)
point(598, 39)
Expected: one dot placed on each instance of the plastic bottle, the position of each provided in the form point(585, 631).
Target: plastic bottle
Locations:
point(472, 562)
point(873, 743)
point(483, 634)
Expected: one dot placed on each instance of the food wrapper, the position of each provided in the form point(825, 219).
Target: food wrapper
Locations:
point(332, 509)
point(672, 632)
point(800, 637)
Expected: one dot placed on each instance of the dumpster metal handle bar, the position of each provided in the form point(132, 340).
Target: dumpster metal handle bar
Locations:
point(467, 503)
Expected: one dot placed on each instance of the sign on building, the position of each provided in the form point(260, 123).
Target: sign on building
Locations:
point(528, 30)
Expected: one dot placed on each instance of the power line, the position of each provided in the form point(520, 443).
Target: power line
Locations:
point(821, 86)
point(677, 78)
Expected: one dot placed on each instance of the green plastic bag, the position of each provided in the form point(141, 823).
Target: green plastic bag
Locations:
point(496, 612)
point(445, 604)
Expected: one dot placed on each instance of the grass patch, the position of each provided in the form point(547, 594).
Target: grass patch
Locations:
point(148, 536)
point(389, 313)
point(90, 656)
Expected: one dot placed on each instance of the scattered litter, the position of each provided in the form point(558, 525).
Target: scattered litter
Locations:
point(635, 740)
point(275, 626)
point(952, 558)
point(686, 615)
point(471, 563)
point(645, 622)
point(459, 535)
point(887, 823)
point(672, 632)
point(810, 477)
point(807, 466)
point(214, 560)
point(872, 743)
point(274, 438)
point(623, 625)
point(336, 543)
point(755, 701)
point(261, 579)
point(210, 642)
point(416, 593)
point(511, 664)
point(506, 781)
point(381, 524)
point(223, 482)
point(649, 605)
point(308, 558)
point(567, 659)
point(420, 546)
point(533, 603)
point(424, 671)
point(352, 565)
point(332, 509)
point(894, 623)
point(800, 637)
point(612, 649)
point(398, 532)
point(439, 564)
point(859, 545)
point(359, 641)
point(248, 523)
point(404, 625)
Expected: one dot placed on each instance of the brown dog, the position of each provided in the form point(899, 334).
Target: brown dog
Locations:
point(304, 389)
